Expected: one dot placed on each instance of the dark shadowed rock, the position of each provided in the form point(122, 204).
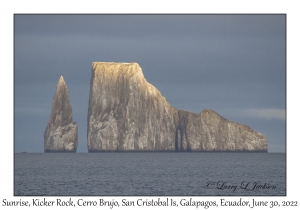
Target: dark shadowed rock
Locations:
point(208, 131)
point(126, 113)
point(61, 134)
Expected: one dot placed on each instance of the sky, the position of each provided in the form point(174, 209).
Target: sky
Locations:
point(233, 64)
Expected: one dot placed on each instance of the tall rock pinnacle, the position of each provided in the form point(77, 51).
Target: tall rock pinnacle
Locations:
point(126, 113)
point(61, 134)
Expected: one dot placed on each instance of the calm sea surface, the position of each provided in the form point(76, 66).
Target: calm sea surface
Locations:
point(149, 174)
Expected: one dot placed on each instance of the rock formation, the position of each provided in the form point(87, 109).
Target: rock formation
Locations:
point(61, 134)
point(126, 113)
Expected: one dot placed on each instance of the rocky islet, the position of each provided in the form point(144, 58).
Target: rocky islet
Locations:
point(126, 113)
point(61, 133)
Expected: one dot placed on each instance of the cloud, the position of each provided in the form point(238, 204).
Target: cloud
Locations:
point(277, 148)
point(267, 113)
point(253, 113)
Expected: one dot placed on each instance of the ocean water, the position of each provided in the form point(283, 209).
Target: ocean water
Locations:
point(149, 173)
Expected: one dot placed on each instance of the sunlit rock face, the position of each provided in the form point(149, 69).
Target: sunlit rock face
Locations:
point(126, 113)
point(61, 134)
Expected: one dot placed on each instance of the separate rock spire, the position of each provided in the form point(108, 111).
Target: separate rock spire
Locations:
point(61, 134)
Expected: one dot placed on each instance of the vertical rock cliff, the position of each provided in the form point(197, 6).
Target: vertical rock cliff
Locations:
point(126, 113)
point(61, 134)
